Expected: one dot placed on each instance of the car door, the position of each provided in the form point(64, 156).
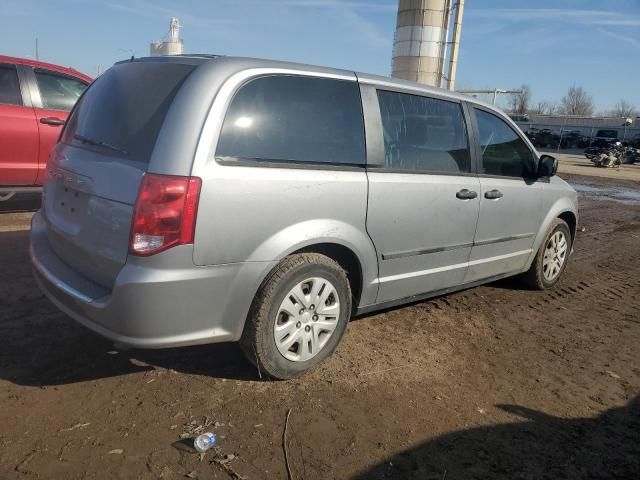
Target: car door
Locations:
point(18, 131)
point(510, 201)
point(55, 95)
point(423, 197)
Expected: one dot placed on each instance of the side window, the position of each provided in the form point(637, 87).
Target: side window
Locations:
point(9, 86)
point(57, 91)
point(423, 133)
point(294, 118)
point(503, 151)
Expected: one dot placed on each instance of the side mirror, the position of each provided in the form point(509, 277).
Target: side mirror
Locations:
point(547, 166)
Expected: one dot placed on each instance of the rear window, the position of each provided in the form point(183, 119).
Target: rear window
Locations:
point(607, 133)
point(286, 118)
point(122, 112)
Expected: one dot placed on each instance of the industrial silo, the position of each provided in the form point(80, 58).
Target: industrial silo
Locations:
point(422, 39)
point(171, 44)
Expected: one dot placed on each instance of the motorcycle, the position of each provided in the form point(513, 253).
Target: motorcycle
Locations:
point(600, 147)
point(609, 159)
point(614, 156)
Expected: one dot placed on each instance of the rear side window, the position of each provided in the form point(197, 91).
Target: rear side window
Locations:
point(295, 118)
point(423, 133)
point(504, 153)
point(9, 86)
point(58, 92)
point(123, 110)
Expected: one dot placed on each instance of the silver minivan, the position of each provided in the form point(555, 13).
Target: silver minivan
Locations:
point(199, 199)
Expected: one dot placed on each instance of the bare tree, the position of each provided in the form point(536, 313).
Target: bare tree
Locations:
point(519, 102)
point(624, 109)
point(544, 108)
point(577, 102)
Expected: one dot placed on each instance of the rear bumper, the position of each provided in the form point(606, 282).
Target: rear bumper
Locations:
point(158, 302)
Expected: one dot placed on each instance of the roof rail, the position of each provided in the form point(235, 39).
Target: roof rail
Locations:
point(198, 55)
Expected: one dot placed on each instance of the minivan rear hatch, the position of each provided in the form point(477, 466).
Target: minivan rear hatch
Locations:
point(94, 172)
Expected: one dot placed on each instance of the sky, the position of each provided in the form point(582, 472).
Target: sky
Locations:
point(549, 45)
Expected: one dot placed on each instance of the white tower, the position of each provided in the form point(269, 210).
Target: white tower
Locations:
point(171, 44)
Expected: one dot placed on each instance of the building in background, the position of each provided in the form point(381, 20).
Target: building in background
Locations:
point(572, 131)
point(171, 44)
point(421, 42)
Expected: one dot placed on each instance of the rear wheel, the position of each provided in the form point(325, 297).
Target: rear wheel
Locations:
point(298, 317)
point(551, 259)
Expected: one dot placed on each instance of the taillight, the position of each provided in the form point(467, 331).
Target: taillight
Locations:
point(165, 213)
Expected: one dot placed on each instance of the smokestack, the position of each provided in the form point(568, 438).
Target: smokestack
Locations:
point(419, 46)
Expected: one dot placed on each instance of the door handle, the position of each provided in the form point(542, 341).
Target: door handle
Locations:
point(52, 121)
point(493, 194)
point(466, 194)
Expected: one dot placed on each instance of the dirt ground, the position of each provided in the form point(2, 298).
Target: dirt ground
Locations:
point(495, 382)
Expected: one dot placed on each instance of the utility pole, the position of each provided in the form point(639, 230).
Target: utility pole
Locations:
point(37, 52)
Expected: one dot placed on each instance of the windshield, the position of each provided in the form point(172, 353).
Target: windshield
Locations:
point(122, 112)
point(607, 133)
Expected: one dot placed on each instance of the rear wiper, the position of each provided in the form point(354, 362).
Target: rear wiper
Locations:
point(99, 143)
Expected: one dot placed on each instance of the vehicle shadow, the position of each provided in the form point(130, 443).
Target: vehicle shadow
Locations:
point(21, 203)
point(40, 346)
point(510, 283)
point(67, 353)
point(541, 447)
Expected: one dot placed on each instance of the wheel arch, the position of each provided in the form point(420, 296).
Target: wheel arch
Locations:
point(564, 209)
point(347, 259)
point(572, 220)
point(347, 244)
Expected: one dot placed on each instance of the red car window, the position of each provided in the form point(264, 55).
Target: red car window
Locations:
point(9, 86)
point(58, 92)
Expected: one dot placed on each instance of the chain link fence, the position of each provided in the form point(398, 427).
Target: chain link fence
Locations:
point(563, 132)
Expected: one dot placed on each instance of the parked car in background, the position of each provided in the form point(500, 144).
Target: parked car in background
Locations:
point(543, 138)
point(635, 141)
point(573, 139)
point(35, 99)
point(199, 199)
point(531, 133)
point(604, 139)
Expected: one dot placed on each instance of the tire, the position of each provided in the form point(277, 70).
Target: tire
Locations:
point(270, 311)
point(536, 276)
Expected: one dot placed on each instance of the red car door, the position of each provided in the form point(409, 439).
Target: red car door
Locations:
point(18, 132)
point(58, 94)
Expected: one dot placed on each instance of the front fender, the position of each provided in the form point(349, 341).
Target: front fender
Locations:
point(560, 206)
point(325, 231)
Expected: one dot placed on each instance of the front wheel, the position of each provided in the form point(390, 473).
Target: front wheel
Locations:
point(298, 317)
point(551, 259)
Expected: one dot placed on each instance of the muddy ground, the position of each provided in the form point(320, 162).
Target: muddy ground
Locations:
point(496, 382)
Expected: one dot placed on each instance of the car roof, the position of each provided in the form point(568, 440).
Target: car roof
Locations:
point(49, 66)
point(242, 63)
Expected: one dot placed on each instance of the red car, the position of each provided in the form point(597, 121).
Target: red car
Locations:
point(35, 99)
